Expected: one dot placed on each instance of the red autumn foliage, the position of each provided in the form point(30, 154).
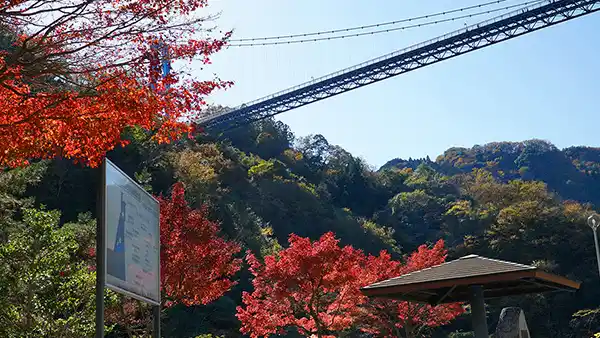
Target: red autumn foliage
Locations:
point(196, 263)
point(392, 318)
point(76, 73)
point(314, 287)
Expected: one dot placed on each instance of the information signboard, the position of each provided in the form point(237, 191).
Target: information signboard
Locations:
point(132, 237)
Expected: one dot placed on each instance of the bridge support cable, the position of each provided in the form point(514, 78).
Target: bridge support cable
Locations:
point(541, 15)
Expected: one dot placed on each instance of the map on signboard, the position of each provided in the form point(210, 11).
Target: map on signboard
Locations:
point(132, 238)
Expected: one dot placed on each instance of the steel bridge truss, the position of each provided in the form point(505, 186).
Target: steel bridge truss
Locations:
point(541, 15)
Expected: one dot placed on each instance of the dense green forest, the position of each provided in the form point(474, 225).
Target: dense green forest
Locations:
point(520, 201)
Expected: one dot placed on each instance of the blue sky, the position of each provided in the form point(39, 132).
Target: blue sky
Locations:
point(541, 85)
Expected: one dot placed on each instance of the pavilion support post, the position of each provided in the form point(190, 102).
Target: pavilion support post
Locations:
point(478, 315)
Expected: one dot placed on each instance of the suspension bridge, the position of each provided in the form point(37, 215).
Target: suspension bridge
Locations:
point(542, 14)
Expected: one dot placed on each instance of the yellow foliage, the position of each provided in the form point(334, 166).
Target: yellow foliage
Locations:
point(406, 171)
point(385, 234)
point(267, 231)
point(293, 155)
point(460, 208)
point(190, 167)
point(575, 212)
point(262, 168)
point(203, 164)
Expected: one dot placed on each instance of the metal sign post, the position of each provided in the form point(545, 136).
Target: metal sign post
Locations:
point(156, 321)
point(128, 232)
point(128, 243)
point(100, 247)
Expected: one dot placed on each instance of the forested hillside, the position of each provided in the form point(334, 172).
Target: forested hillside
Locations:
point(525, 202)
point(573, 173)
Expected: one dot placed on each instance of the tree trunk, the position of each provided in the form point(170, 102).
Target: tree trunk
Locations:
point(319, 330)
point(396, 330)
point(409, 329)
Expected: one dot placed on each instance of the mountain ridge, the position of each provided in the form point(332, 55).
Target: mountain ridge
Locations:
point(572, 172)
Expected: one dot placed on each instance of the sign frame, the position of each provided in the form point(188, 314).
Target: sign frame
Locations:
point(108, 166)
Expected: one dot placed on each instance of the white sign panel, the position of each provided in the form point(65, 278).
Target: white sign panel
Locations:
point(132, 238)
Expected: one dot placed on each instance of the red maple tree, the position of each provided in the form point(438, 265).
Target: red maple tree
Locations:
point(393, 318)
point(196, 263)
point(310, 286)
point(314, 287)
point(75, 73)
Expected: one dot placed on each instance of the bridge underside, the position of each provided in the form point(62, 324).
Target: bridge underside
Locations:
point(544, 14)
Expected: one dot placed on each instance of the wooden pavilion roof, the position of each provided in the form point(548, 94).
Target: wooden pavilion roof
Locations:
point(449, 282)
